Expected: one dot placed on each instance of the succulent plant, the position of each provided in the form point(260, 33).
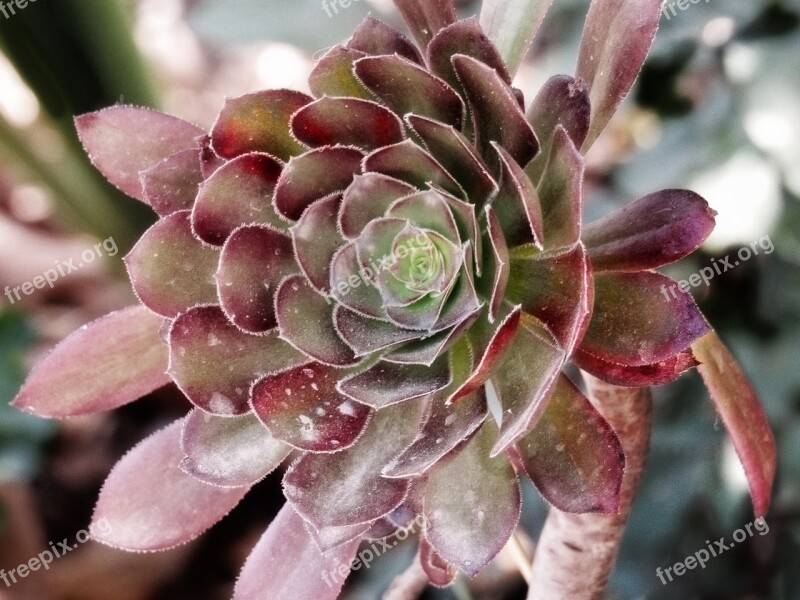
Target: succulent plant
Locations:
point(357, 277)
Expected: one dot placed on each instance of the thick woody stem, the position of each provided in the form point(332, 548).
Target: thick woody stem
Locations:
point(410, 584)
point(576, 553)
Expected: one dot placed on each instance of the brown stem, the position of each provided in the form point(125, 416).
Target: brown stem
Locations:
point(576, 553)
point(410, 584)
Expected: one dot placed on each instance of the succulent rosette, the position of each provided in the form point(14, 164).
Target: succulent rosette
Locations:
point(356, 276)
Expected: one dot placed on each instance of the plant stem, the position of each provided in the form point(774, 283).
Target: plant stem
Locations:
point(410, 584)
point(576, 553)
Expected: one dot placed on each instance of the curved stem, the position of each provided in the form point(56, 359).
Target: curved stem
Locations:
point(410, 584)
point(576, 553)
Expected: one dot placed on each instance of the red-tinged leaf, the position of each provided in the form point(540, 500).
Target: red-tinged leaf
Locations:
point(408, 162)
point(653, 231)
point(472, 504)
point(352, 286)
point(172, 184)
point(376, 38)
point(743, 416)
point(368, 198)
point(259, 122)
point(229, 452)
point(496, 112)
point(500, 268)
point(333, 75)
point(440, 572)
point(426, 17)
point(388, 383)
point(465, 214)
point(406, 87)
point(305, 320)
point(561, 193)
point(525, 379)
point(346, 488)
point(347, 121)
point(254, 261)
point(238, 193)
point(149, 504)
point(214, 363)
point(367, 335)
point(104, 365)
point(616, 40)
point(329, 538)
point(512, 26)
point(427, 210)
point(314, 175)
point(557, 289)
point(287, 563)
point(316, 240)
point(170, 269)
point(210, 161)
point(457, 155)
point(659, 373)
point(517, 205)
point(636, 322)
point(562, 101)
point(302, 407)
point(123, 141)
point(573, 456)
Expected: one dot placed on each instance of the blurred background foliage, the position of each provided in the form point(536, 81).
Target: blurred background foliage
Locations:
point(717, 110)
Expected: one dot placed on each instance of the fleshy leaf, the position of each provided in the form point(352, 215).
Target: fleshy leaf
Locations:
point(296, 566)
point(303, 408)
point(440, 572)
point(650, 232)
point(148, 504)
point(214, 363)
point(333, 75)
point(744, 417)
point(172, 184)
point(573, 456)
point(427, 210)
point(500, 269)
point(171, 270)
point(517, 204)
point(659, 373)
point(375, 38)
point(104, 365)
point(561, 192)
point(329, 538)
point(512, 25)
point(123, 141)
point(388, 383)
point(351, 286)
point(636, 322)
point(316, 240)
point(616, 39)
point(229, 452)
point(259, 122)
point(238, 193)
point(346, 488)
point(472, 504)
point(426, 17)
point(366, 335)
point(368, 198)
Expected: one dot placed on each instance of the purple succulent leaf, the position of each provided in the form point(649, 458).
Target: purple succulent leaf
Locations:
point(348, 121)
point(517, 204)
point(426, 351)
point(366, 335)
point(616, 40)
point(440, 572)
point(346, 488)
point(108, 363)
point(259, 122)
point(381, 529)
point(408, 162)
point(573, 456)
point(229, 452)
point(457, 155)
point(562, 101)
point(496, 112)
point(170, 269)
point(303, 408)
point(426, 17)
point(172, 184)
point(333, 75)
point(653, 231)
point(386, 384)
point(210, 161)
point(350, 286)
point(315, 175)
point(148, 503)
point(376, 38)
point(512, 26)
point(238, 193)
point(254, 261)
point(472, 504)
point(743, 416)
point(297, 567)
point(305, 320)
point(406, 87)
point(214, 363)
point(317, 239)
point(368, 198)
point(423, 315)
point(330, 538)
point(561, 192)
point(466, 218)
point(427, 210)
point(500, 267)
point(123, 141)
point(635, 323)
point(659, 373)
point(525, 379)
